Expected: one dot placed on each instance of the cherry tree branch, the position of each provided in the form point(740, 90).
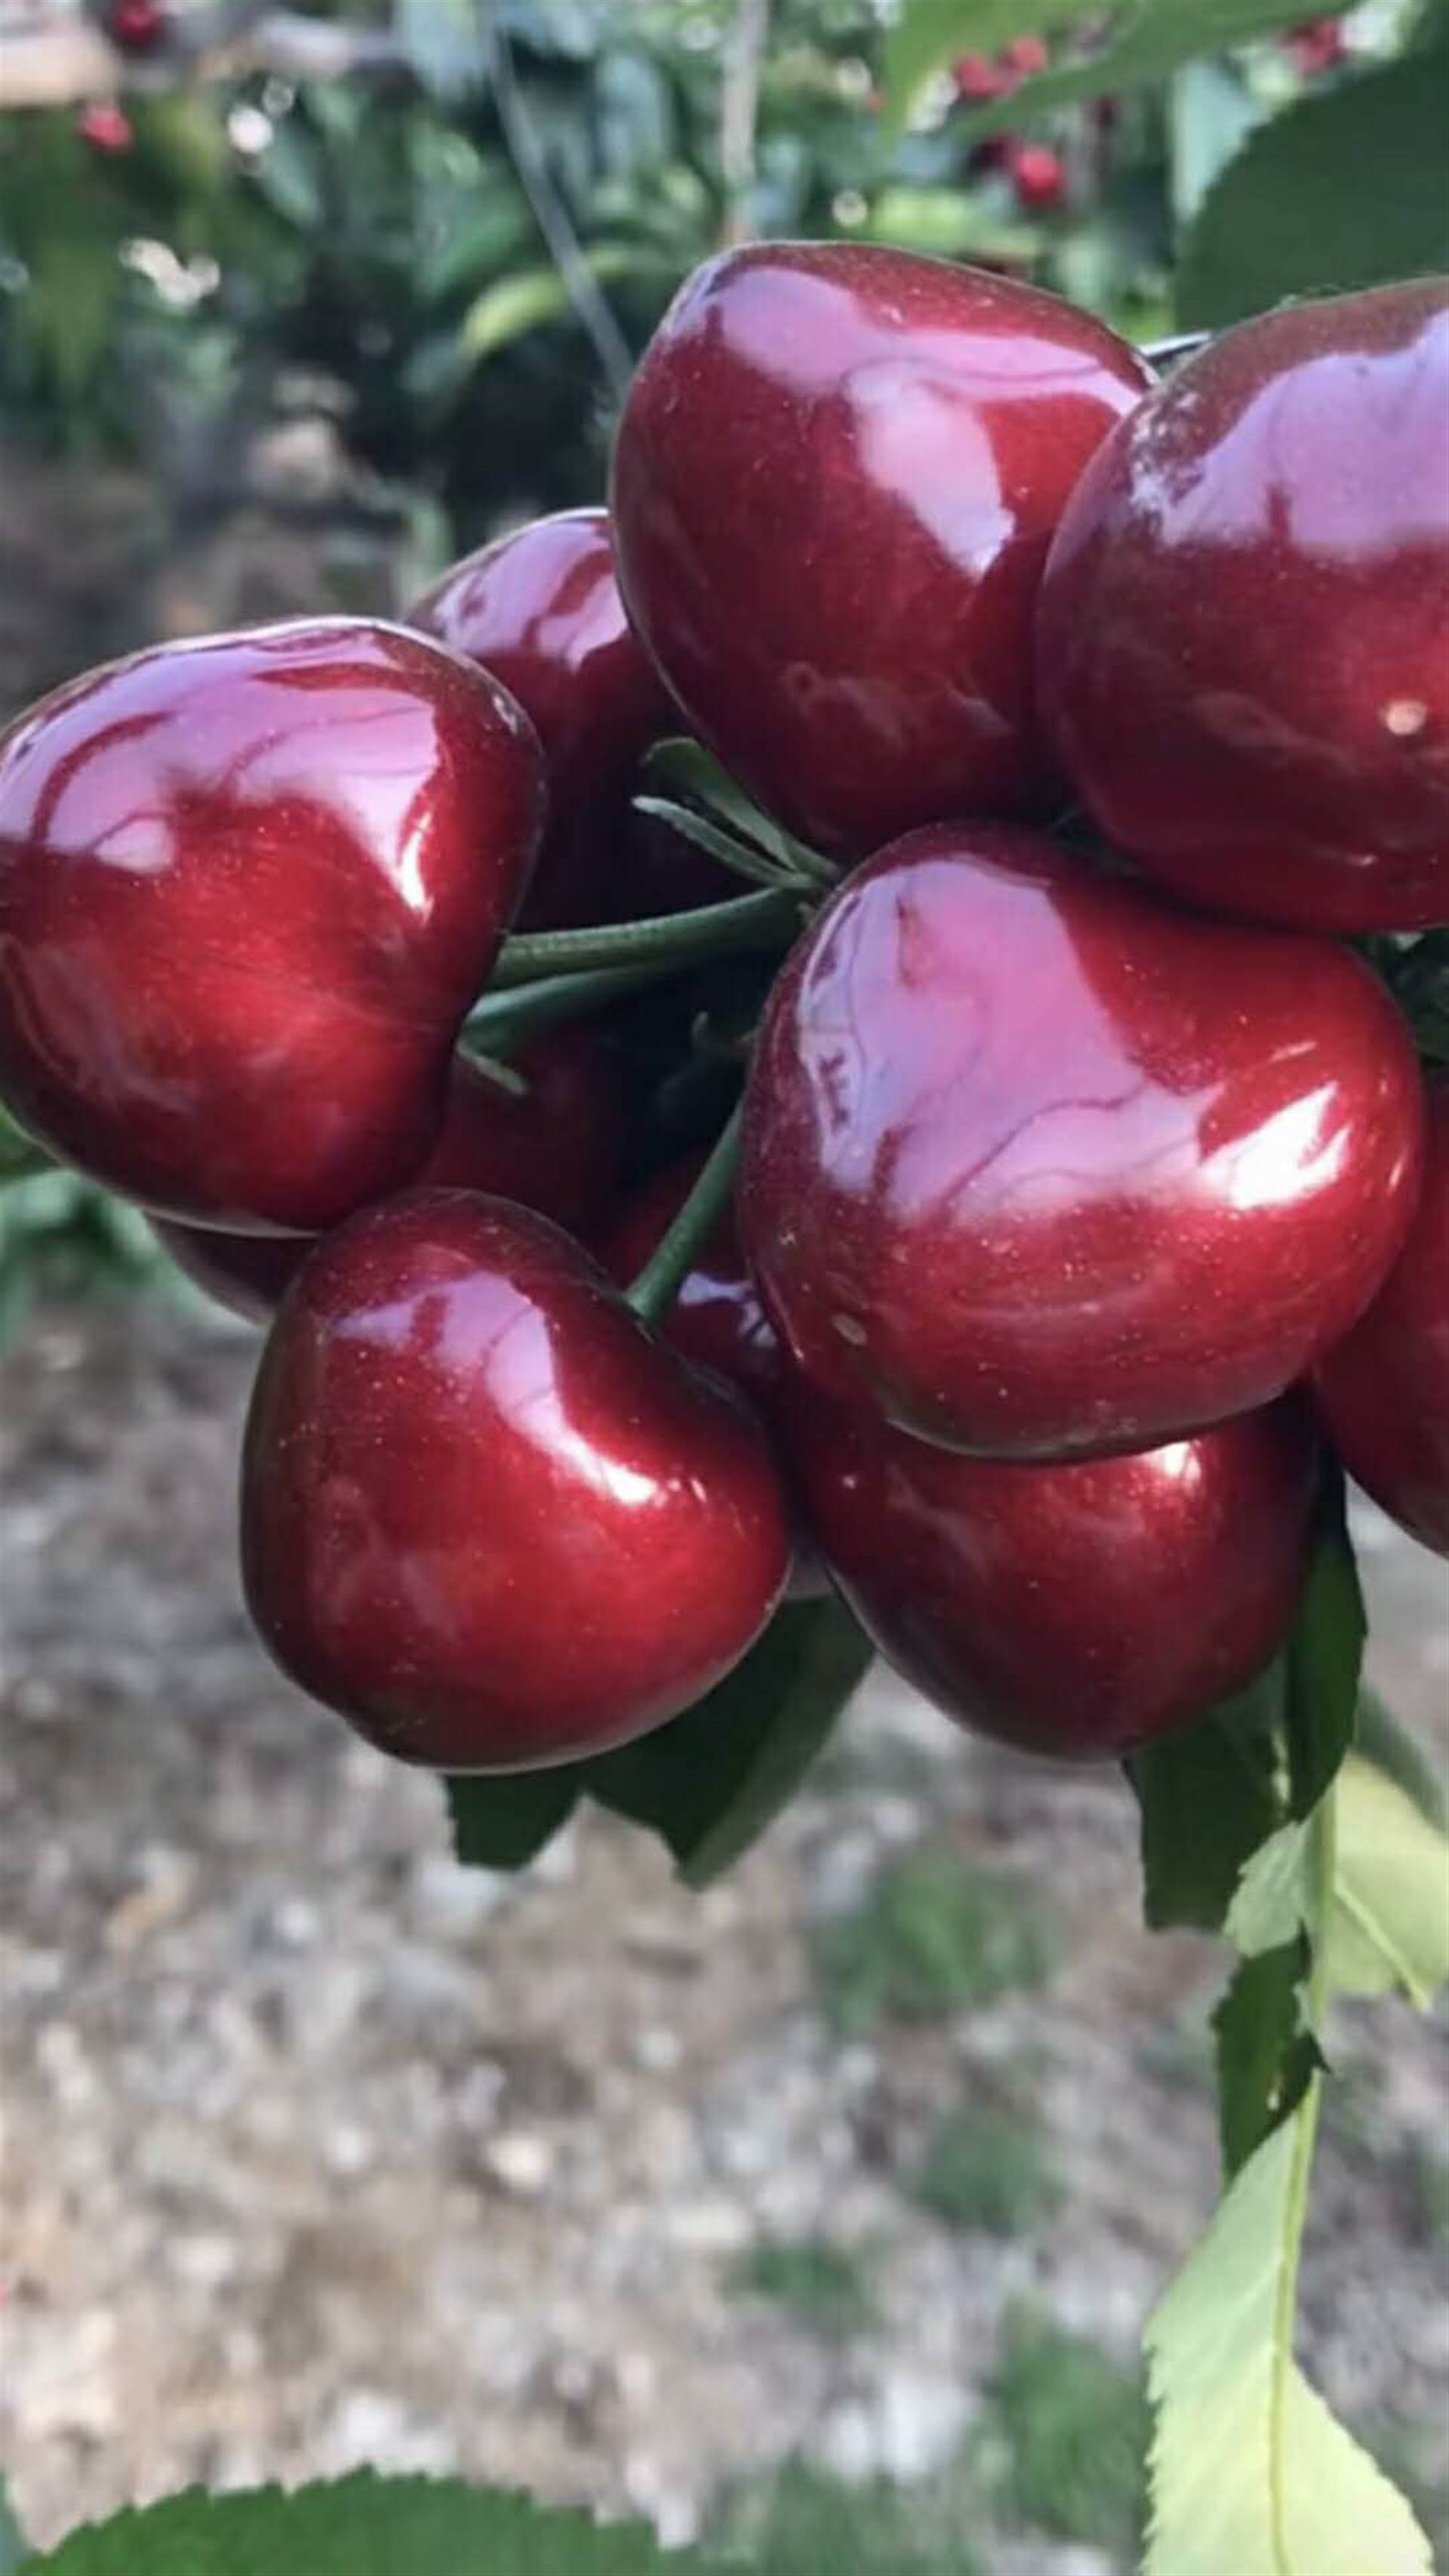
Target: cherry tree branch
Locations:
point(739, 108)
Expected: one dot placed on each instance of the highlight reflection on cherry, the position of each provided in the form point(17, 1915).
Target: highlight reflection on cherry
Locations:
point(1039, 1166)
point(248, 889)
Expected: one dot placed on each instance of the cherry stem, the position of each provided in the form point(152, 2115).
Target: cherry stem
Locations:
point(500, 1022)
point(653, 1293)
point(743, 856)
point(1166, 353)
point(765, 920)
point(507, 1076)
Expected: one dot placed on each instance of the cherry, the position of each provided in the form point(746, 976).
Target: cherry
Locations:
point(106, 128)
point(1319, 45)
point(1244, 628)
point(1077, 1610)
point(136, 26)
point(541, 610)
point(980, 80)
point(558, 1149)
point(1026, 55)
point(1039, 177)
point(1384, 1392)
point(835, 481)
point(1037, 1165)
point(487, 1514)
point(248, 889)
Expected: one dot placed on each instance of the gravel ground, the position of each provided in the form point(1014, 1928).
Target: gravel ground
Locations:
point(320, 2150)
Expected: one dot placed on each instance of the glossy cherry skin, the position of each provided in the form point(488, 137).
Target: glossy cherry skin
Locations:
point(558, 1148)
point(1076, 1610)
point(1039, 1166)
point(541, 610)
point(836, 478)
point(248, 889)
point(1244, 626)
point(1384, 1392)
point(487, 1514)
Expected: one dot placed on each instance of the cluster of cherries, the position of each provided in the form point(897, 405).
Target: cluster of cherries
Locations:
point(1073, 724)
point(139, 29)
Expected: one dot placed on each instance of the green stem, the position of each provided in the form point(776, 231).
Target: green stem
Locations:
point(11, 1174)
point(501, 1021)
point(507, 1076)
point(1323, 1865)
point(682, 768)
point(653, 1292)
point(731, 852)
point(674, 939)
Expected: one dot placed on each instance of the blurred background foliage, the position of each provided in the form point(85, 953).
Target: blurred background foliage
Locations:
point(297, 304)
point(231, 242)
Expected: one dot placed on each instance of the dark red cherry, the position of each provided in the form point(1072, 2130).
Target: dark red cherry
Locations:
point(137, 26)
point(836, 478)
point(979, 79)
point(558, 1149)
point(541, 610)
point(1038, 1165)
point(1244, 627)
point(248, 889)
point(1077, 1610)
point(487, 1514)
point(1384, 1392)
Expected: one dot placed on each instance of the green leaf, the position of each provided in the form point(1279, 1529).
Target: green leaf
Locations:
point(1250, 2472)
point(1143, 44)
point(1325, 1666)
point(14, 2547)
point(712, 1781)
point(19, 1156)
point(682, 768)
point(949, 223)
point(1390, 1921)
point(514, 306)
point(1392, 1749)
point(362, 2526)
point(1208, 1800)
point(1291, 214)
point(1266, 2054)
point(289, 175)
point(504, 1821)
point(1274, 1898)
point(739, 856)
point(69, 306)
